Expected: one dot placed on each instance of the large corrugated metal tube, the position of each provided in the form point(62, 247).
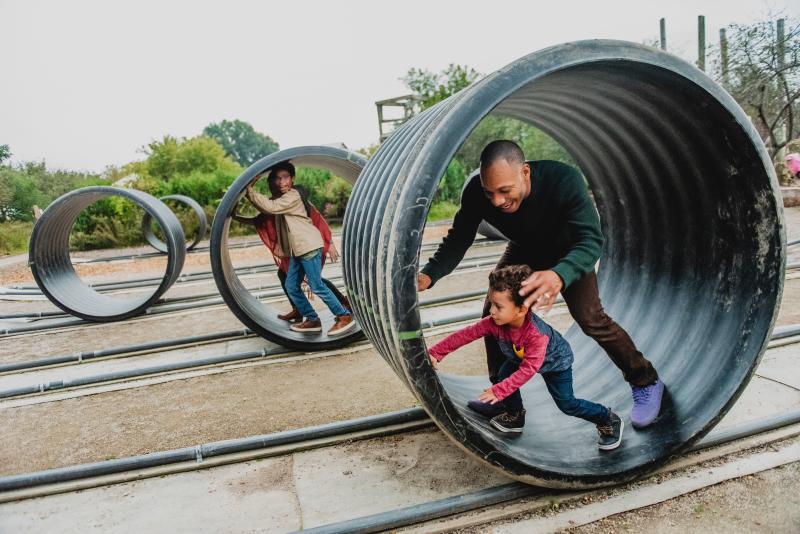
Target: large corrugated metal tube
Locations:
point(50, 263)
point(692, 266)
point(261, 317)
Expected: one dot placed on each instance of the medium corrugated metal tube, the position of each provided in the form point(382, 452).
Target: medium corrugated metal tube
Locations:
point(260, 317)
point(692, 266)
point(49, 257)
point(199, 234)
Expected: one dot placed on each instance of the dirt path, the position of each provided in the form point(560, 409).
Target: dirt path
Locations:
point(767, 502)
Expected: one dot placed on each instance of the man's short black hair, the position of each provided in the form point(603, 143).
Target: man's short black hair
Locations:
point(282, 166)
point(502, 149)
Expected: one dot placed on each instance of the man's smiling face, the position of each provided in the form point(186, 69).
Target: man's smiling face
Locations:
point(506, 184)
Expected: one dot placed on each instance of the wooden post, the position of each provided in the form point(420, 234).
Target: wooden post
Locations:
point(701, 42)
point(723, 55)
point(663, 27)
point(780, 49)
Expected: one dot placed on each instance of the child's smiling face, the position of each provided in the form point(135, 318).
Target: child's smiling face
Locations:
point(504, 310)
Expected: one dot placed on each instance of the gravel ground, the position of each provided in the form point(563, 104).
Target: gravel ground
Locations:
point(271, 398)
point(767, 502)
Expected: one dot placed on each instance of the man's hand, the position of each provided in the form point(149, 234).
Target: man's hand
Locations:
point(488, 396)
point(333, 254)
point(541, 289)
point(434, 362)
point(423, 282)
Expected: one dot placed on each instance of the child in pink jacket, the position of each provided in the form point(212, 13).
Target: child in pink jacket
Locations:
point(531, 346)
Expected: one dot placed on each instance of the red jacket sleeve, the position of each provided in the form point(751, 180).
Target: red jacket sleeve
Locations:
point(461, 337)
point(535, 350)
point(322, 225)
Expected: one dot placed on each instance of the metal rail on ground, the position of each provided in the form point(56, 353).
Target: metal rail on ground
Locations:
point(183, 304)
point(186, 364)
point(32, 289)
point(39, 483)
point(510, 492)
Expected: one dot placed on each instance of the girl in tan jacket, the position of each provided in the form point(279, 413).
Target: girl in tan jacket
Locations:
point(301, 241)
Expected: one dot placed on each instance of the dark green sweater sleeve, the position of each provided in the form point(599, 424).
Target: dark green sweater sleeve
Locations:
point(583, 228)
point(458, 239)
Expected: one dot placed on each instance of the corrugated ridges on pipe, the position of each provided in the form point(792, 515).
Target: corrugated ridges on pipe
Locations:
point(260, 317)
point(49, 256)
point(693, 263)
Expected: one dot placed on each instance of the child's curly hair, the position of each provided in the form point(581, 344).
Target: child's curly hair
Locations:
point(510, 278)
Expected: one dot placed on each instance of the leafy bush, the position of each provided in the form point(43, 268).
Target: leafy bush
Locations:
point(207, 188)
point(451, 183)
point(442, 210)
point(327, 192)
point(14, 237)
point(18, 193)
point(109, 222)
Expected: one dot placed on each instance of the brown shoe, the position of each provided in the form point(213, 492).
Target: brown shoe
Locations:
point(292, 317)
point(343, 324)
point(307, 326)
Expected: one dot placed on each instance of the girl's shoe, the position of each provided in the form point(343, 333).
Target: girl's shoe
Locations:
point(509, 423)
point(307, 326)
point(292, 316)
point(343, 324)
point(610, 435)
point(486, 409)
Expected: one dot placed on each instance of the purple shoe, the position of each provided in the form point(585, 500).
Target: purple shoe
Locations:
point(486, 409)
point(646, 403)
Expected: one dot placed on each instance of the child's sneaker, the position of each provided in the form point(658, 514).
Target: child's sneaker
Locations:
point(307, 326)
point(487, 409)
point(610, 434)
point(508, 422)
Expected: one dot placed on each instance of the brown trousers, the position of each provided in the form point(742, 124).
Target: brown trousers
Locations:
point(583, 301)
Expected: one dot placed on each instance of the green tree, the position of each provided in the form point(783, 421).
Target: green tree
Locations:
point(534, 143)
point(19, 194)
point(171, 157)
point(5, 153)
point(435, 87)
point(329, 193)
point(240, 141)
point(24, 185)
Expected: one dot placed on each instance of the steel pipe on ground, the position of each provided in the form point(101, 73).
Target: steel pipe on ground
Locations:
point(260, 317)
point(395, 519)
point(49, 256)
point(200, 232)
point(692, 266)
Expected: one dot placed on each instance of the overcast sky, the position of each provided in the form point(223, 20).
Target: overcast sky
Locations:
point(87, 84)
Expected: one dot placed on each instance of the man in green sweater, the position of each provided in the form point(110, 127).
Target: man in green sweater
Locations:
point(544, 209)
